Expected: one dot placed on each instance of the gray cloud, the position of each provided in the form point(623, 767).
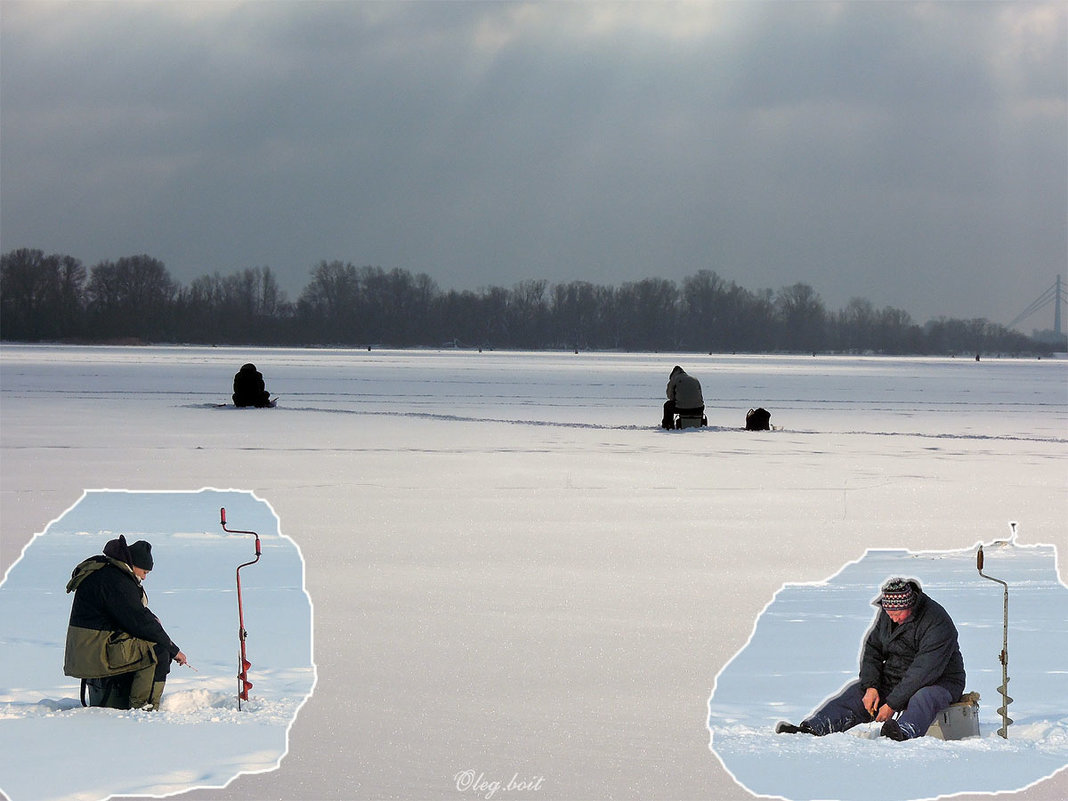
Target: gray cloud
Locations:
point(912, 154)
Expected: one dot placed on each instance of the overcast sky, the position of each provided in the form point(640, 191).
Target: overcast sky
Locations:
point(914, 154)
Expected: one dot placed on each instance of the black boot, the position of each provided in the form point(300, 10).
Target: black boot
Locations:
point(782, 727)
point(892, 729)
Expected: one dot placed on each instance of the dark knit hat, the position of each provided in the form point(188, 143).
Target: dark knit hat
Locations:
point(898, 594)
point(118, 549)
point(677, 369)
point(141, 555)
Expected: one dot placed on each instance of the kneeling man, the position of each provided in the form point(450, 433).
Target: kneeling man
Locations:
point(114, 642)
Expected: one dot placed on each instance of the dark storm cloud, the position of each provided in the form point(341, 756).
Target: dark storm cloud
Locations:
point(913, 154)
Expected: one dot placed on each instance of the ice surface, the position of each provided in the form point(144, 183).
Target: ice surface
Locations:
point(514, 572)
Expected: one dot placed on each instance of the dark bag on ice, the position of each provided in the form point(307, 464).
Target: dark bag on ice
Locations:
point(758, 420)
point(109, 691)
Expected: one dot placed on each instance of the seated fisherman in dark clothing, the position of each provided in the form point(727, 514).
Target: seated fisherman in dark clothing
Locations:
point(684, 397)
point(910, 670)
point(249, 389)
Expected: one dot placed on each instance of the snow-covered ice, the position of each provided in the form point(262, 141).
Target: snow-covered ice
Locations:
point(199, 737)
point(800, 654)
point(515, 575)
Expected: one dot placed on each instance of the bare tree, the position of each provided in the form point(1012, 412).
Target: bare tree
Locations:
point(803, 318)
point(327, 307)
point(41, 297)
point(131, 297)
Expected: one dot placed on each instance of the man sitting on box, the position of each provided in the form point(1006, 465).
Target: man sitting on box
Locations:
point(911, 669)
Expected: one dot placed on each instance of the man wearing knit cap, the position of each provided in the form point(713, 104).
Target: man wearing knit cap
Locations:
point(911, 669)
point(114, 643)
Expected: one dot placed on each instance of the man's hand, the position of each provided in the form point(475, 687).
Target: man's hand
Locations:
point(871, 701)
point(885, 713)
point(180, 659)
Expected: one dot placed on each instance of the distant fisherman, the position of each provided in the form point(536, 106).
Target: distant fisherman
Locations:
point(911, 669)
point(114, 642)
point(684, 398)
point(249, 389)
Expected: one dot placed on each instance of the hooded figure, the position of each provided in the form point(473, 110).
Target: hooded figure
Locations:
point(683, 397)
point(911, 669)
point(249, 389)
point(112, 632)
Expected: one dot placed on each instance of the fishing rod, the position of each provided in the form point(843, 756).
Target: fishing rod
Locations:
point(243, 684)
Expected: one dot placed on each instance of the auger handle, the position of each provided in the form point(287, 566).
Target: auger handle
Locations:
point(222, 521)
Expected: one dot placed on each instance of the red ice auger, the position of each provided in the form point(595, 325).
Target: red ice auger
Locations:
point(243, 684)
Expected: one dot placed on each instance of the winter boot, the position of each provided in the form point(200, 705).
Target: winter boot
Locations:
point(150, 699)
point(892, 729)
point(156, 696)
point(782, 727)
point(143, 687)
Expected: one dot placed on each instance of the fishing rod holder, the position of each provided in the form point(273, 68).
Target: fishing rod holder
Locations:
point(1003, 657)
point(243, 684)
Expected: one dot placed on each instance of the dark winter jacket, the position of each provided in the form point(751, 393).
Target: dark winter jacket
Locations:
point(249, 389)
point(685, 391)
point(899, 659)
point(111, 629)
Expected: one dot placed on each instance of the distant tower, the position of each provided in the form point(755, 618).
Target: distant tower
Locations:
point(1057, 309)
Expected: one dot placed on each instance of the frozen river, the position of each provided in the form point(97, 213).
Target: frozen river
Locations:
point(514, 571)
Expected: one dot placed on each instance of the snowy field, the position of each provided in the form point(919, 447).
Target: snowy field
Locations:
point(521, 588)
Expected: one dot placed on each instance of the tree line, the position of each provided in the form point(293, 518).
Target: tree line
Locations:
point(134, 299)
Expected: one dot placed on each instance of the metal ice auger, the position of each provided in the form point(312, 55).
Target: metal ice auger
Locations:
point(1004, 657)
point(243, 684)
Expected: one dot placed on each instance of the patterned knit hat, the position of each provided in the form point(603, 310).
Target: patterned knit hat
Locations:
point(898, 594)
